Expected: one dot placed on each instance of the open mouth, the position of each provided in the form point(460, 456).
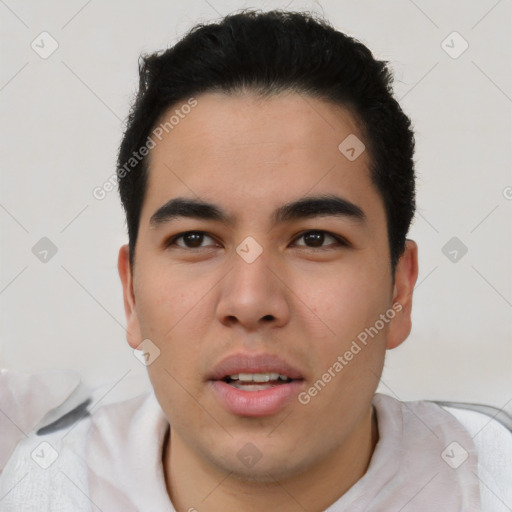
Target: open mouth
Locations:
point(256, 381)
point(255, 385)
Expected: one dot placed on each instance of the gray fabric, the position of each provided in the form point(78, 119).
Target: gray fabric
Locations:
point(493, 412)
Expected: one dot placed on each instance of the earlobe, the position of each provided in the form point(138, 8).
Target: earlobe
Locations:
point(406, 275)
point(133, 334)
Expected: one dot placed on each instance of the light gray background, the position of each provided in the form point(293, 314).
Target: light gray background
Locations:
point(62, 122)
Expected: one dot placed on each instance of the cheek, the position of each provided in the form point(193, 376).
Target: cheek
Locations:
point(166, 299)
point(174, 315)
point(348, 303)
point(348, 355)
point(340, 303)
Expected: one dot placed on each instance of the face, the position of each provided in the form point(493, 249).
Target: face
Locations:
point(272, 304)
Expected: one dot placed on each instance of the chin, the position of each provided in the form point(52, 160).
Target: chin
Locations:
point(267, 470)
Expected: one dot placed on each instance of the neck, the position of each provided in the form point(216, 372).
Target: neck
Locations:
point(194, 484)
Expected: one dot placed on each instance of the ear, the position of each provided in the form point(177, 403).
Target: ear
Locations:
point(405, 278)
point(133, 332)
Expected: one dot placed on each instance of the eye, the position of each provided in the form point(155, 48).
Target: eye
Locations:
point(316, 238)
point(313, 239)
point(190, 240)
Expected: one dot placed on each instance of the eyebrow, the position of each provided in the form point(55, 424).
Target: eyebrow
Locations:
point(304, 208)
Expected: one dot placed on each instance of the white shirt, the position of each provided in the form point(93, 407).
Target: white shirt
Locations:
point(425, 460)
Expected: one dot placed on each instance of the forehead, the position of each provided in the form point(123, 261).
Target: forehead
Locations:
point(242, 150)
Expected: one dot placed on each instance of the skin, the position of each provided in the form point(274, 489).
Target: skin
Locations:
point(307, 304)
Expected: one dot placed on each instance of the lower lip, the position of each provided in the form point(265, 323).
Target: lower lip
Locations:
point(265, 402)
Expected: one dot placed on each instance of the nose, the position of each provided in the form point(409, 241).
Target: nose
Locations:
point(253, 295)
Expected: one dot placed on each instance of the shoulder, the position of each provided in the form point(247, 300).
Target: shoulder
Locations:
point(460, 430)
point(115, 425)
point(490, 430)
point(46, 468)
point(46, 472)
point(124, 448)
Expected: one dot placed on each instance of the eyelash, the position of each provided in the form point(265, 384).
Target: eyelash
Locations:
point(340, 241)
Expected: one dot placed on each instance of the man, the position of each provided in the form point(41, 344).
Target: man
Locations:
point(267, 177)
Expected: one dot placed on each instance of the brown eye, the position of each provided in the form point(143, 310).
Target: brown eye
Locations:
point(193, 239)
point(316, 239)
point(190, 240)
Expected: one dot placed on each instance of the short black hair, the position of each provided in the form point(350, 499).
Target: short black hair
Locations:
point(267, 53)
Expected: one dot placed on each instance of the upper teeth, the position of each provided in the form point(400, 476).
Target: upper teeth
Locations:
point(257, 377)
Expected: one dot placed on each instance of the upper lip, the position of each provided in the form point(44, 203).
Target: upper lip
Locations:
point(253, 363)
